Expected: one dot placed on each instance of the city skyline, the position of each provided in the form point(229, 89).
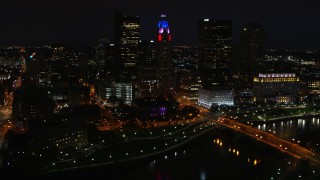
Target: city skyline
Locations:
point(84, 23)
point(159, 89)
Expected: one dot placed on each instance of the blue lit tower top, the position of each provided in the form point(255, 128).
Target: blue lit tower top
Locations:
point(164, 31)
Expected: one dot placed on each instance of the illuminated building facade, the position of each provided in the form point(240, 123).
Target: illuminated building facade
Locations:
point(314, 87)
point(217, 96)
point(127, 37)
point(286, 99)
point(275, 86)
point(122, 91)
point(215, 48)
point(311, 86)
point(190, 83)
point(163, 56)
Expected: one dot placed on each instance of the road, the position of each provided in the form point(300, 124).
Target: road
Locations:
point(185, 102)
point(290, 148)
point(109, 123)
point(5, 115)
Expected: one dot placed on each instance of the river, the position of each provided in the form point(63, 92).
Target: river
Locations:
point(220, 154)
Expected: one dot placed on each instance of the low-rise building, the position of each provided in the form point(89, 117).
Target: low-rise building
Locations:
point(122, 91)
point(268, 86)
point(217, 96)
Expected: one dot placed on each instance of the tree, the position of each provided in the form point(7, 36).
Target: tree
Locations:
point(215, 108)
point(113, 99)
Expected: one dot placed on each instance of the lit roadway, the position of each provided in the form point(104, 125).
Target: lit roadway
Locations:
point(5, 114)
point(272, 140)
point(186, 102)
point(108, 123)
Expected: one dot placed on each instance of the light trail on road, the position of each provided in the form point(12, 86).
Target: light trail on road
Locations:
point(272, 140)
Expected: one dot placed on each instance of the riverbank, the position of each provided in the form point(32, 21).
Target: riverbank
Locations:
point(117, 162)
point(281, 119)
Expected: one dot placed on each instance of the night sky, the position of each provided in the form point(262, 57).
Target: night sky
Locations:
point(289, 23)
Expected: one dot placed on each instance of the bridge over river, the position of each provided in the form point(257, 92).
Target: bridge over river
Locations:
point(288, 147)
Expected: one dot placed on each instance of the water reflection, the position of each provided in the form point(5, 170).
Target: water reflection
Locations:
point(203, 175)
point(223, 155)
point(235, 151)
point(292, 128)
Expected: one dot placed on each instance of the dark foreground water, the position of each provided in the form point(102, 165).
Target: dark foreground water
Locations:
point(222, 155)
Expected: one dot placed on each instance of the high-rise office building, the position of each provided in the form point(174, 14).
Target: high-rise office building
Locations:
point(147, 53)
point(105, 58)
point(127, 36)
point(215, 47)
point(163, 56)
point(252, 51)
point(252, 47)
point(148, 70)
point(190, 83)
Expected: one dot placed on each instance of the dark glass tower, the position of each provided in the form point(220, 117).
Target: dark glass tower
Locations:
point(252, 52)
point(148, 70)
point(252, 47)
point(215, 48)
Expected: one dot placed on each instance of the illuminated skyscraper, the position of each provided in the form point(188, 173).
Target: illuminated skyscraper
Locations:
point(215, 47)
point(127, 37)
point(163, 56)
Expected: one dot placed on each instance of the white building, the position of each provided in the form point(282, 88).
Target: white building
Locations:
point(216, 96)
point(123, 91)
